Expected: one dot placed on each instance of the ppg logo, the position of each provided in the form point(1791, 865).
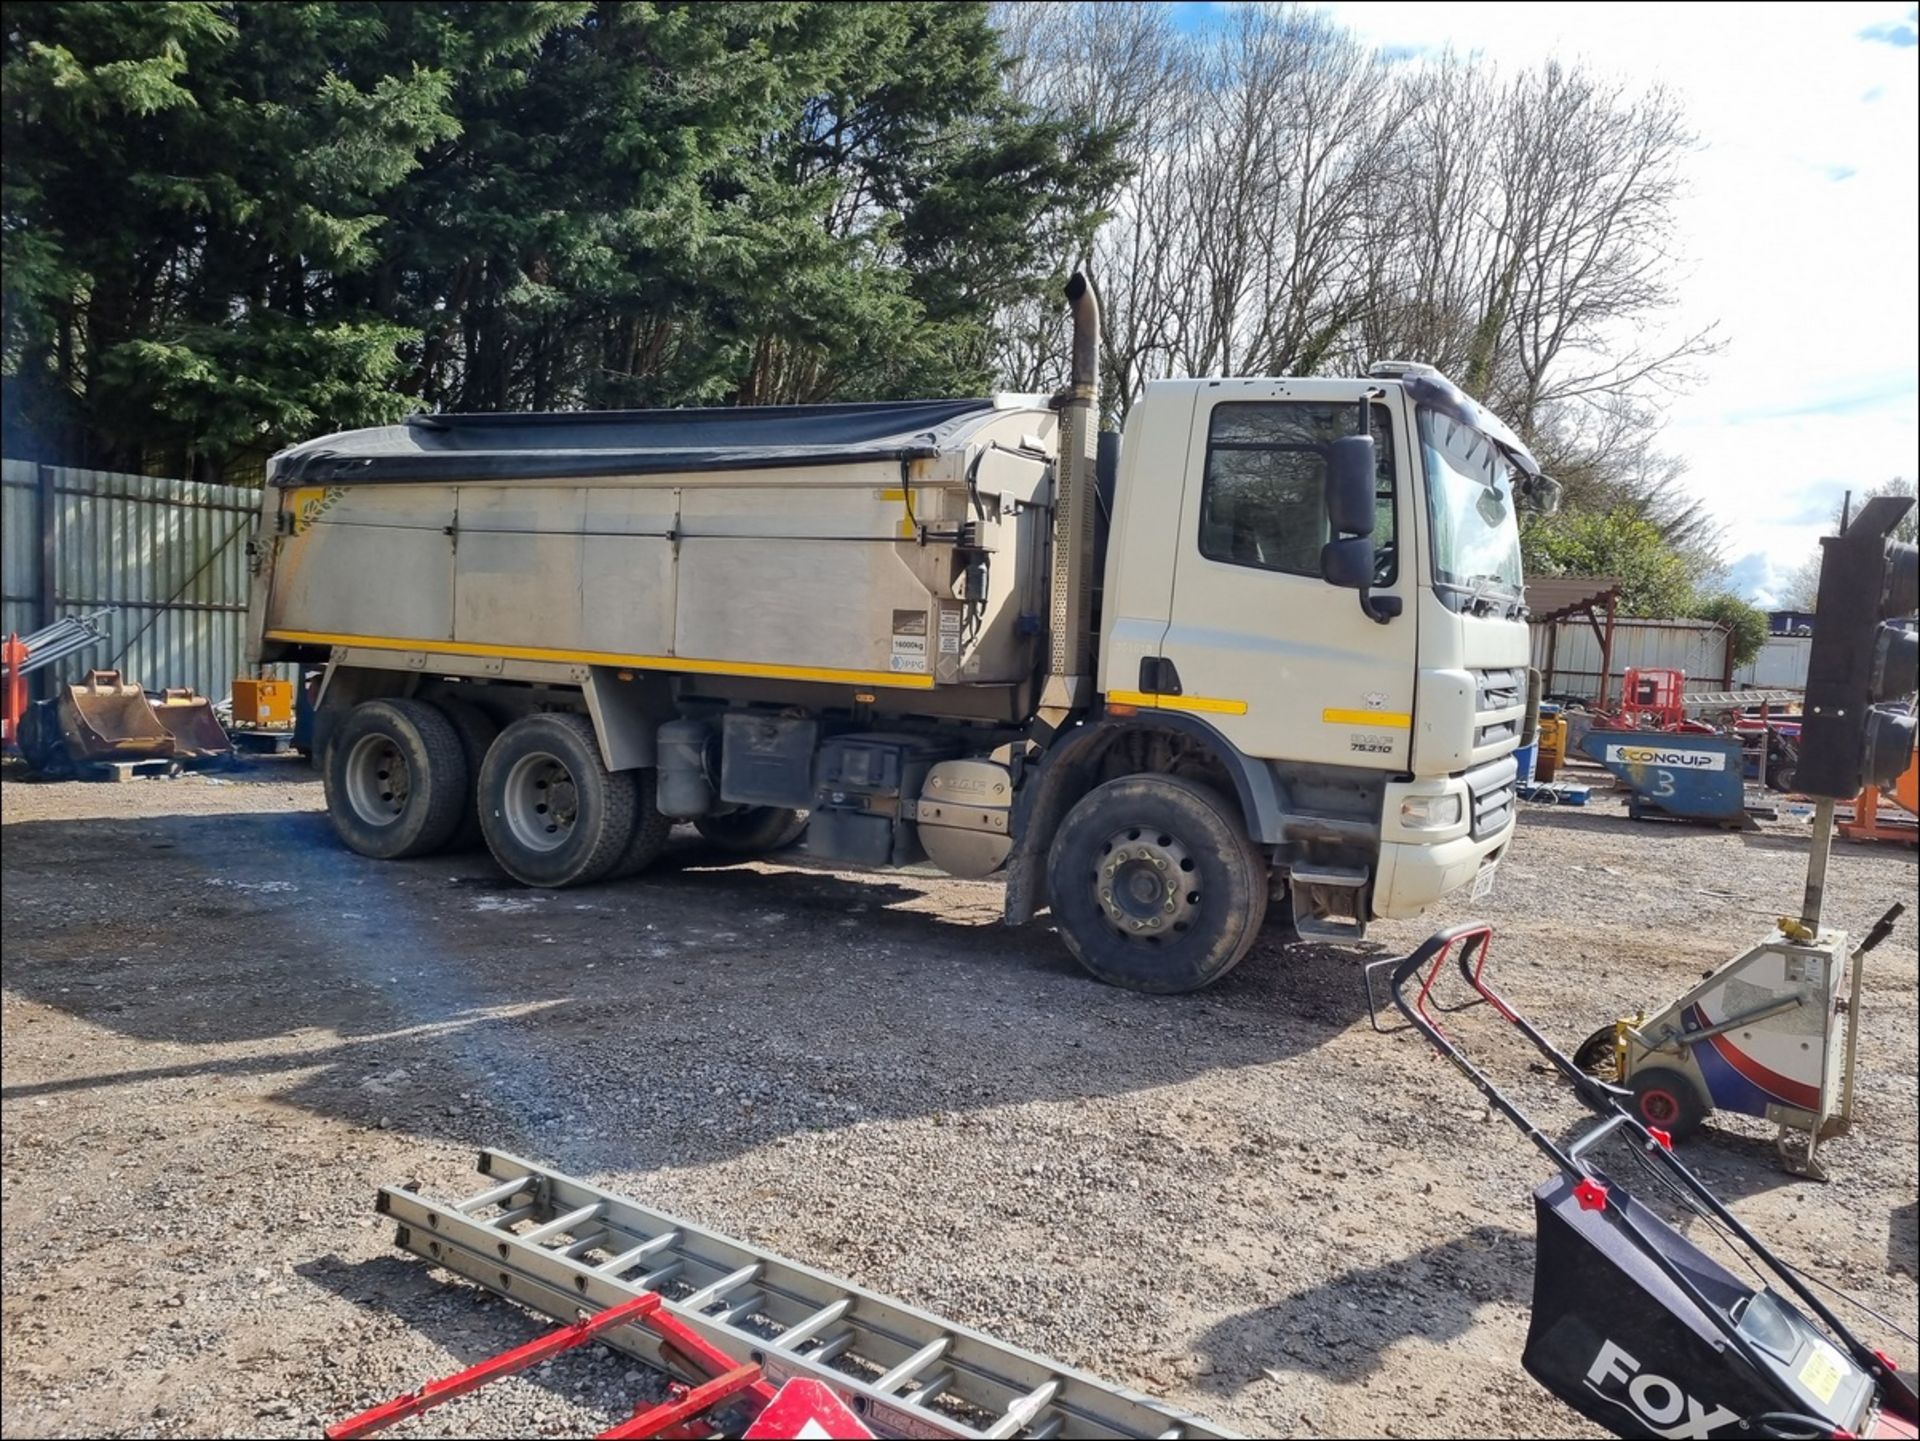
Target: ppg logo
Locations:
point(1661, 1404)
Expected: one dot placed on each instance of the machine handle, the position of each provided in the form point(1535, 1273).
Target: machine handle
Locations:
point(1882, 928)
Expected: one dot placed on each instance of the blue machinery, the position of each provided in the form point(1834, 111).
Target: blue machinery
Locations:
point(1692, 777)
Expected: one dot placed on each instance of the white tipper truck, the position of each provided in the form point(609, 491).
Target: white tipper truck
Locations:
point(1267, 653)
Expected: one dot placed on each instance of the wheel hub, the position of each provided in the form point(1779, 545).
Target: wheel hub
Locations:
point(1147, 884)
point(378, 780)
point(541, 802)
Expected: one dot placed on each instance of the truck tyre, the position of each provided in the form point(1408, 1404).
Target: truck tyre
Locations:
point(1155, 886)
point(650, 828)
point(753, 830)
point(477, 734)
point(396, 779)
point(552, 813)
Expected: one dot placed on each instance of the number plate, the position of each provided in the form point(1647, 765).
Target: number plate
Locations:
point(1483, 882)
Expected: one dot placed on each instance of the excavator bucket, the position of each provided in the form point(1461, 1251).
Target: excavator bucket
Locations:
point(189, 719)
point(104, 719)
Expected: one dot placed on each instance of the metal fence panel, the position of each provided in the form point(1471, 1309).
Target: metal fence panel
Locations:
point(1698, 647)
point(168, 556)
point(1781, 665)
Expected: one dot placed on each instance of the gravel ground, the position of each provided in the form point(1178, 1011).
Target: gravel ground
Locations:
point(222, 1032)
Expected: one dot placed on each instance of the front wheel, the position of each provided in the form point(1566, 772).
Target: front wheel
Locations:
point(1665, 1099)
point(553, 815)
point(1155, 886)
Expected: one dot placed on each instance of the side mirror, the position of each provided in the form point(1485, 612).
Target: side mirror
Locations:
point(1350, 486)
point(1542, 495)
point(1348, 562)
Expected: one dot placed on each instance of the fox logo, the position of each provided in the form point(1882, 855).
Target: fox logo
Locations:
point(1658, 1402)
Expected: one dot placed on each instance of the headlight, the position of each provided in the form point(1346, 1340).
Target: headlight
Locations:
point(1430, 813)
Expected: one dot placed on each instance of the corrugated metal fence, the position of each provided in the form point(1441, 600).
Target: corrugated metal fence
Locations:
point(1698, 647)
point(1781, 665)
point(168, 555)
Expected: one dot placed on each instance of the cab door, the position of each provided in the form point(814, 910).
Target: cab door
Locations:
point(1284, 665)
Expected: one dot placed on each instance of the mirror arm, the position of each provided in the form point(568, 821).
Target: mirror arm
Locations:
point(1378, 608)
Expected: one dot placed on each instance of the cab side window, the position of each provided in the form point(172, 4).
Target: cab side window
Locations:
point(1262, 497)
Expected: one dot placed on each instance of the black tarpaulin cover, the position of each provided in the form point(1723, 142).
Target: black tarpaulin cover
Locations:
point(625, 442)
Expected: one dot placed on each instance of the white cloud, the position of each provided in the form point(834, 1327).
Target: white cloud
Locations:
point(1799, 234)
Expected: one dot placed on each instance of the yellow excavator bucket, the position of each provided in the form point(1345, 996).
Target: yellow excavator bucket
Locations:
point(105, 718)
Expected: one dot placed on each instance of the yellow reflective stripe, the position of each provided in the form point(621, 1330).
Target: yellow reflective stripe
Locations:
point(1212, 704)
point(593, 657)
point(1378, 719)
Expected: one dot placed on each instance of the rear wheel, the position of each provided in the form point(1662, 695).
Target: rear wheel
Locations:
point(477, 734)
point(396, 779)
point(753, 830)
point(1599, 1055)
point(553, 815)
point(1667, 1100)
point(1155, 885)
point(650, 828)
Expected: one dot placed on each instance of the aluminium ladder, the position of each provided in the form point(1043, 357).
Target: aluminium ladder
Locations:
point(563, 1247)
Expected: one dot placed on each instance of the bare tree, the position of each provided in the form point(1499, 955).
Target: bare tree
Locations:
point(1298, 204)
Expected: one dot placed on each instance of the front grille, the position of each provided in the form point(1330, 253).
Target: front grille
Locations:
point(1493, 731)
point(1499, 690)
point(1490, 790)
point(1494, 691)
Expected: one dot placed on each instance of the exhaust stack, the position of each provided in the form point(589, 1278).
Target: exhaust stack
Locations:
point(1067, 684)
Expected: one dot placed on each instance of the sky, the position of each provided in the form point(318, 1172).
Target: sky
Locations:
point(1799, 231)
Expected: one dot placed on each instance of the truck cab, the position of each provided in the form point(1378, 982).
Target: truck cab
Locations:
point(1375, 723)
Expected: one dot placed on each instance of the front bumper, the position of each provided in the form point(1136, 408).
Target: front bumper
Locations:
point(1413, 875)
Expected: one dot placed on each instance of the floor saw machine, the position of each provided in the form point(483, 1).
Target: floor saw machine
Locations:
point(1634, 1325)
point(1772, 1032)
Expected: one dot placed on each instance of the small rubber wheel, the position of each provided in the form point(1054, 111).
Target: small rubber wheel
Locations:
point(396, 779)
point(477, 734)
point(552, 813)
point(753, 830)
point(1155, 886)
point(650, 828)
point(1666, 1099)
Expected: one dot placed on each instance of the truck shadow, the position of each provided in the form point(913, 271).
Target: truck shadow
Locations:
point(590, 1027)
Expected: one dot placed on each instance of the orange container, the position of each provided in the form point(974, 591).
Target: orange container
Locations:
point(263, 702)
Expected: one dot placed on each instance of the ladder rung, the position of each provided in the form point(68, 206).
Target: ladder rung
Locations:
point(827, 1350)
point(654, 1280)
point(707, 1294)
point(585, 1244)
point(562, 1223)
point(505, 1191)
point(745, 1306)
point(633, 1255)
point(903, 1373)
point(800, 1330)
point(930, 1388)
point(507, 1220)
point(1021, 1412)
